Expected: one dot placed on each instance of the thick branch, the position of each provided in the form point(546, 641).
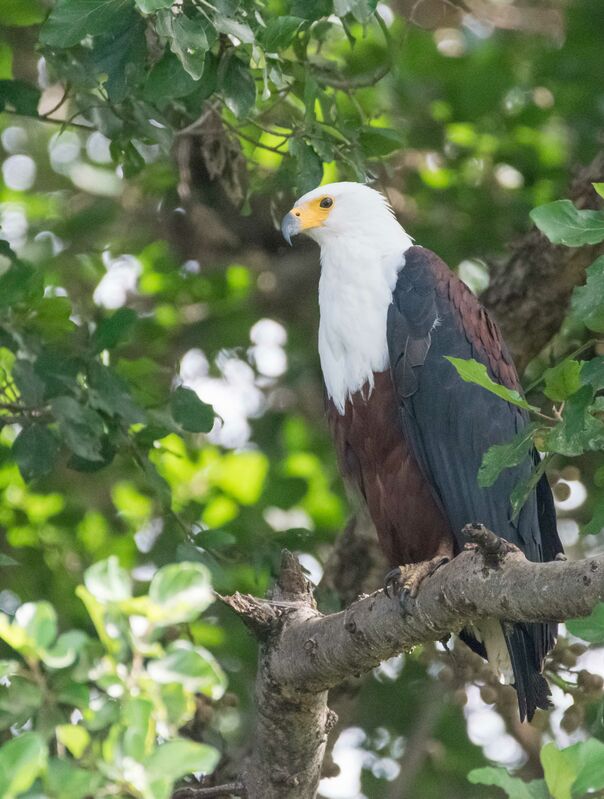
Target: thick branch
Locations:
point(462, 592)
point(304, 653)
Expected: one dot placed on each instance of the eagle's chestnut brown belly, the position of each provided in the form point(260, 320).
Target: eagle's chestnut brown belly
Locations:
point(375, 458)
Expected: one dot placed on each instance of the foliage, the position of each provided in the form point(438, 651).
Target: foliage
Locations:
point(96, 706)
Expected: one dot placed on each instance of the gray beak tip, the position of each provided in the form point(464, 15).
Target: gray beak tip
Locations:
point(289, 227)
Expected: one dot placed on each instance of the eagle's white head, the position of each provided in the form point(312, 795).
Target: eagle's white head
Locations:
point(362, 252)
point(346, 211)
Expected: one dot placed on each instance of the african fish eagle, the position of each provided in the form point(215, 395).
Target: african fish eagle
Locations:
point(410, 434)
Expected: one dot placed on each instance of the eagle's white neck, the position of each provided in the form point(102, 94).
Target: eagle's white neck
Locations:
point(358, 275)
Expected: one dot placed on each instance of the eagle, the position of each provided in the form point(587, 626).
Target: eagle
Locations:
point(409, 433)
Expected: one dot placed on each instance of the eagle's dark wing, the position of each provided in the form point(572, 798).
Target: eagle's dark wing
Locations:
point(450, 424)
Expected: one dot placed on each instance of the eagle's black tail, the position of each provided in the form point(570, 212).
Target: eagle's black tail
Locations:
point(527, 645)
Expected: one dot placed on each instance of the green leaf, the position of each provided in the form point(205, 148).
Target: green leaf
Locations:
point(587, 302)
point(233, 27)
point(114, 330)
point(20, 97)
point(563, 223)
point(237, 85)
point(504, 456)
point(593, 372)
point(20, 283)
point(65, 780)
point(121, 54)
point(472, 371)
point(35, 451)
point(74, 738)
point(562, 380)
point(596, 523)
point(21, 761)
point(377, 142)
point(65, 651)
point(181, 592)
point(39, 622)
point(109, 393)
point(188, 39)
point(30, 385)
point(362, 10)
point(190, 412)
point(17, 13)
point(590, 628)
point(579, 431)
point(177, 758)
point(150, 6)
point(193, 667)
point(309, 167)
point(279, 33)
point(168, 79)
point(599, 187)
point(18, 702)
point(514, 787)
point(137, 716)
point(560, 770)
point(107, 581)
point(311, 9)
point(80, 426)
point(524, 489)
point(591, 767)
point(71, 20)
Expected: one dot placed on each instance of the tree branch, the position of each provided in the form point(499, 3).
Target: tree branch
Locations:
point(304, 653)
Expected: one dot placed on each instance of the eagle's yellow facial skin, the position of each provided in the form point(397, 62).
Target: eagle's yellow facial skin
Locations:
point(313, 213)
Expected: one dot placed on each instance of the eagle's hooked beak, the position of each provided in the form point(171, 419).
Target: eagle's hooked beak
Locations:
point(290, 226)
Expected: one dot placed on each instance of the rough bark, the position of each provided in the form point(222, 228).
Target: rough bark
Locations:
point(529, 292)
point(304, 653)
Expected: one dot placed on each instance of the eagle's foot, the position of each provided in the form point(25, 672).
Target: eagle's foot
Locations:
point(492, 547)
point(404, 581)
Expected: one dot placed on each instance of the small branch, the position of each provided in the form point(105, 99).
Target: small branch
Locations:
point(228, 789)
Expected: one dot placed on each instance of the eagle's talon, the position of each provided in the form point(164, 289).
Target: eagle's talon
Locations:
point(393, 580)
point(405, 580)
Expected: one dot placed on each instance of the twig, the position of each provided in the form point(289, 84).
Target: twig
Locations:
point(228, 789)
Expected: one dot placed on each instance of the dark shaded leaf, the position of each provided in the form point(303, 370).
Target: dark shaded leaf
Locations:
point(279, 33)
point(71, 20)
point(110, 394)
point(237, 85)
point(114, 330)
point(120, 54)
point(20, 97)
point(593, 372)
point(309, 167)
point(504, 456)
point(190, 412)
point(379, 141)
point(81, 427)
point(30, 385)
point(188, 39)
point(587, 302)
point(35, 451)
point(168, 79)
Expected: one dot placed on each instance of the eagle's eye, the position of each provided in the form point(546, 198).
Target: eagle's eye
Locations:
point(326, 202)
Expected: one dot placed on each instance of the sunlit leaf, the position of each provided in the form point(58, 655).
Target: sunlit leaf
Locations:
point(181, 592)
point(472, 371)
point(107, 581)
point(563, 223)
point(193, 667)
point(590, 628)
point(21, 760)
point(514, 787)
